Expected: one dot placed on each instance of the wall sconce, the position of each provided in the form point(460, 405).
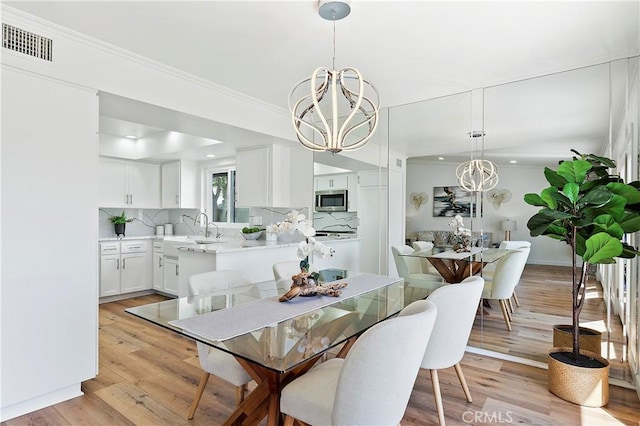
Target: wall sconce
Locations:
point(507, 226)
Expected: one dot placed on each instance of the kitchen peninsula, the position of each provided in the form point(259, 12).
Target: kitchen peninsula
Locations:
point(255, 258)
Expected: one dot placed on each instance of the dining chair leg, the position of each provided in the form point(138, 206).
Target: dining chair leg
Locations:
point(463, 382)
point(199, 392)
point(435, 383)
point(288, 420)
point(511, 310)
point(515, 298)
point(240, 391)
point(505, 314)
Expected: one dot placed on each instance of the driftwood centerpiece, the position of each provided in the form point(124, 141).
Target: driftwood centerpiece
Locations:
point(305, 284)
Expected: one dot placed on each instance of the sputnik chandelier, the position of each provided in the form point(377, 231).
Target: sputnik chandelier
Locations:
point(335, 114)
point(477, 174)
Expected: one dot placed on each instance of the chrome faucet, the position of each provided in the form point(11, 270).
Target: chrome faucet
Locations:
point(207, 234)
point(218, 233)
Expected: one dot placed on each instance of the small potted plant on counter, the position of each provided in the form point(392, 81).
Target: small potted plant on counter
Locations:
point(590, 209)
point(119, 223)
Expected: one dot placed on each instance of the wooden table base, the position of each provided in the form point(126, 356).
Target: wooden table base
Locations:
point(264, 400)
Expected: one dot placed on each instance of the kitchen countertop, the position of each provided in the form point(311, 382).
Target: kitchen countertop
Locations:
point(230, 245)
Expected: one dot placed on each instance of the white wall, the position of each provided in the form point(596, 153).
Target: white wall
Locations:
point(422, 177)
point(49, 280)
point(88, 62)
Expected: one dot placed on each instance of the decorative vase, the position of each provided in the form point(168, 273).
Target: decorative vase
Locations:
point(586, 386)
point(119, 229)
point(590, 339)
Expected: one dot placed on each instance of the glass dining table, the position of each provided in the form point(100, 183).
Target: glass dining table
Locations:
point(280, 340)
point(455, 267)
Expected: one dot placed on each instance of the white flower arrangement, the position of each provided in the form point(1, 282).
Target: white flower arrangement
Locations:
point(461, 236)
point(296, 221)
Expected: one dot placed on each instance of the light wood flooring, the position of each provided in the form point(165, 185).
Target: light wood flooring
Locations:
point(148, 376)
point(544, 293)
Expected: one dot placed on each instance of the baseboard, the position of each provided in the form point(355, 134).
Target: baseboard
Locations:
point(40, 402)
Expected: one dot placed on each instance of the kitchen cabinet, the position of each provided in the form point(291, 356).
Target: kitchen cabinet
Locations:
point(128, 184)
point(180, 185)
point(124, 267)
point(157, 267)
point(348, 181)
point(328, 182)
point(373, 194)
point(274, 176)
point(171, 275)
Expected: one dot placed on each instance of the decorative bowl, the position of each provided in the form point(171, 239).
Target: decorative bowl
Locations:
point(252, 236)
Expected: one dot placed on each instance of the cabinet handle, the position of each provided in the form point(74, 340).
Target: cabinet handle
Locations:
point(109, 248)
point(131, 202)
point(177, 200)
point(177, 270)
point(135, 247)
point(159, 262)
point(123, 264)
point(117, 263)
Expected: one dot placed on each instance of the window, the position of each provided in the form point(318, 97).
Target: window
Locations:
point(222, 198)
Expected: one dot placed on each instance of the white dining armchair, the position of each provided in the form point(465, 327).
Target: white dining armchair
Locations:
point(373, 383)
point(504, 280)
point(410, 269)
point(427, 267)
point(214, 361)
point(457, 306)
point(282, 273)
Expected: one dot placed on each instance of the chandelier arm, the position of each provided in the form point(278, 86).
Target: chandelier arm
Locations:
point(329, 78)
point(372, 122)
point(297, 122)
point(355, 107)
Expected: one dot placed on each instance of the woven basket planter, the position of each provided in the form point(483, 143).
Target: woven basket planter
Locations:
point(584, 386)
point(590, 339)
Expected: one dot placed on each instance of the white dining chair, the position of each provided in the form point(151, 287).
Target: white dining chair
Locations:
point(282, 273)
point(427, 267)
point(489, 269)
point(215, 361)
point(410, 269)
point(457, 306)
point(504, 280)
point(373, 383)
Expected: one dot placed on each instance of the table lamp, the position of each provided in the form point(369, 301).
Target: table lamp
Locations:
point(507, 226)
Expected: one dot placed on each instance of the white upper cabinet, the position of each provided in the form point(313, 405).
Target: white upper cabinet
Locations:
point(330, 182)
point(180, 185)
point(128, 184)
point(274, 176)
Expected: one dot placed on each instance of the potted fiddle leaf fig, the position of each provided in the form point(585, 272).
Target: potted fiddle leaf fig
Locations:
point(590, 209)
point(119, 223)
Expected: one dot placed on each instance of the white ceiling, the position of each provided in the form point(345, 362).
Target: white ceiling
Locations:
point(410, 50)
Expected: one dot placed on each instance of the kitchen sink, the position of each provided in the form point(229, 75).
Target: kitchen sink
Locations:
point(208, 241)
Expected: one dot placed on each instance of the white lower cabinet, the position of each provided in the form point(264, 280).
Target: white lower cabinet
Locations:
point(157, 266)
point(124, 267)
point(171, 275)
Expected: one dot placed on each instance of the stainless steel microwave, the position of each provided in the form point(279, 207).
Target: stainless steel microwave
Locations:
point(332, 201)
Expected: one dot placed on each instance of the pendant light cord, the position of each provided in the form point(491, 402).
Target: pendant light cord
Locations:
point(334, 39)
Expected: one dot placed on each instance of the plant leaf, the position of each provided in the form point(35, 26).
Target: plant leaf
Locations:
point(627, 191)
point(534, 200)
point(554, 178)
point(571, 190)
point(601, 248)
point(630, 222)
point(597, 196)
point(574, 171)
point(606, 223)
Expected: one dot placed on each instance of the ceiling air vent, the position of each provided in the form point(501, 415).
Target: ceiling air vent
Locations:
point(19, 40)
